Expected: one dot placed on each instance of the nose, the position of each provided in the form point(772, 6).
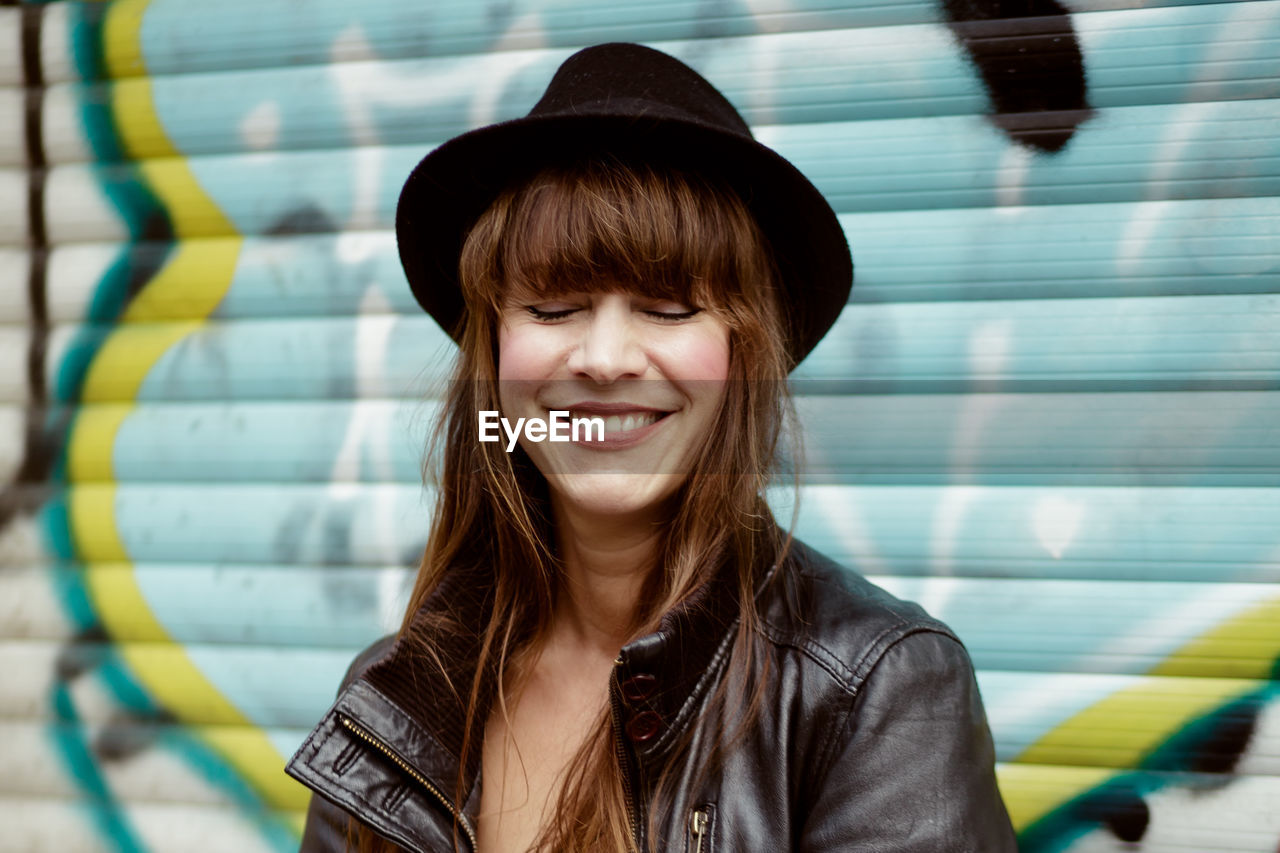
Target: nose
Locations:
point(610, 346)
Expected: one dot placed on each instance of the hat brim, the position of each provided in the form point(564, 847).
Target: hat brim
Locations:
point(455, 183)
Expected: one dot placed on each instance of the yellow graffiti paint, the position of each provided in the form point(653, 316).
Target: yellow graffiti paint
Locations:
point(93, 435)
point(169, 308)
point(1031, 791)
point(1245, 646)
point(125, 359)
point(121, 41)
point(142, 134)
point(91, 508)
point(249, 750)
point(137, 124)
point(1123, 728)
point(117, 600)
point(192, 282)
point(191, 210)
point(116, 597)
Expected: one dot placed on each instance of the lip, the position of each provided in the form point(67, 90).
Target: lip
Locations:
point(617, 440)
point(597, 407)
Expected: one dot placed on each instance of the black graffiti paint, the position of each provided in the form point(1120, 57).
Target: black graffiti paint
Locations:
point(1215, 743)
point(1029, 59)
point(1121, 810)
point(49, 410)
point(39, 447)
point(1226, 744)
point(306, 218)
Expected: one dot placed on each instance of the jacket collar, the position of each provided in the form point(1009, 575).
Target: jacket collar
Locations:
point(418, 707)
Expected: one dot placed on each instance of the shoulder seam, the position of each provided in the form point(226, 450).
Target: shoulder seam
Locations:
point(850, 677)
point(815, 652)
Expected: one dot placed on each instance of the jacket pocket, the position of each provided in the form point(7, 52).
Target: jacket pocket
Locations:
point(698, 828)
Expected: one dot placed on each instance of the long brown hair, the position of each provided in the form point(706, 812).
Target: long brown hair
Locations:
point(586, 226)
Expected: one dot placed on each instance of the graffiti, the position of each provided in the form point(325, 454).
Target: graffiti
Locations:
point(1060, 357)
point(1174, 795)
point(1029, 59)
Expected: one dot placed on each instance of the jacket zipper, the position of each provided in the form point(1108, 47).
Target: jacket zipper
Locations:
point(697, 828)
point(368, 738)
point(623, 761)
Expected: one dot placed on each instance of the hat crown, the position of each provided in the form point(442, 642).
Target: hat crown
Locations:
point(633, 80)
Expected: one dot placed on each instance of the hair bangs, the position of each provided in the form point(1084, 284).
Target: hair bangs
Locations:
point(664, 234)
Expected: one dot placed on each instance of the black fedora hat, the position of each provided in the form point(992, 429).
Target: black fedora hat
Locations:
point(625, 100)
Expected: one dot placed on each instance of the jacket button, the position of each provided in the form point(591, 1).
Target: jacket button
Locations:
point(638, 687)
point(644, 726)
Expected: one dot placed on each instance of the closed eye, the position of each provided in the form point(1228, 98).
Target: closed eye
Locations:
point(673, 316)
point(539, 314)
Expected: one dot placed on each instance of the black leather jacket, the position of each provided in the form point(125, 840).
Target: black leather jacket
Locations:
point(872, 735)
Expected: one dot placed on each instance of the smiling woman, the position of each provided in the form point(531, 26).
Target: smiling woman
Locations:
point(611, 645)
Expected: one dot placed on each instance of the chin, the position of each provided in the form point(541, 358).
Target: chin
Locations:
point(615, 494)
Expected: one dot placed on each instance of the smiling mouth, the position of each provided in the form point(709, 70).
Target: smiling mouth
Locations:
point(623, 426)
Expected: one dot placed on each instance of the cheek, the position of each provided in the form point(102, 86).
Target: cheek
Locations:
point(701, 358)
point(522, 355)
point(522, 366)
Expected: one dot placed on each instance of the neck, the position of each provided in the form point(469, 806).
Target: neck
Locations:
point(607, 559)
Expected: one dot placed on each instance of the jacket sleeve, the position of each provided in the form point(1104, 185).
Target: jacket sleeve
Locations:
point(912, 770)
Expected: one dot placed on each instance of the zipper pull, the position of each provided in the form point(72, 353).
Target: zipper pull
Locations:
point(697, 828)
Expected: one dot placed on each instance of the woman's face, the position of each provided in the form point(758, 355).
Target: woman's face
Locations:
point(654, 370)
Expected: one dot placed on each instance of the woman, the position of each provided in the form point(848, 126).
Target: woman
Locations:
point(610, 644)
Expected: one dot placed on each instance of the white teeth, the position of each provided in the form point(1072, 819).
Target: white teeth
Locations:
point(622, 423)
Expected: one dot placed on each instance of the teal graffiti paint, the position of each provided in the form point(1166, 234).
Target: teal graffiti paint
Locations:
point(271, 827)
point(80, 761)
